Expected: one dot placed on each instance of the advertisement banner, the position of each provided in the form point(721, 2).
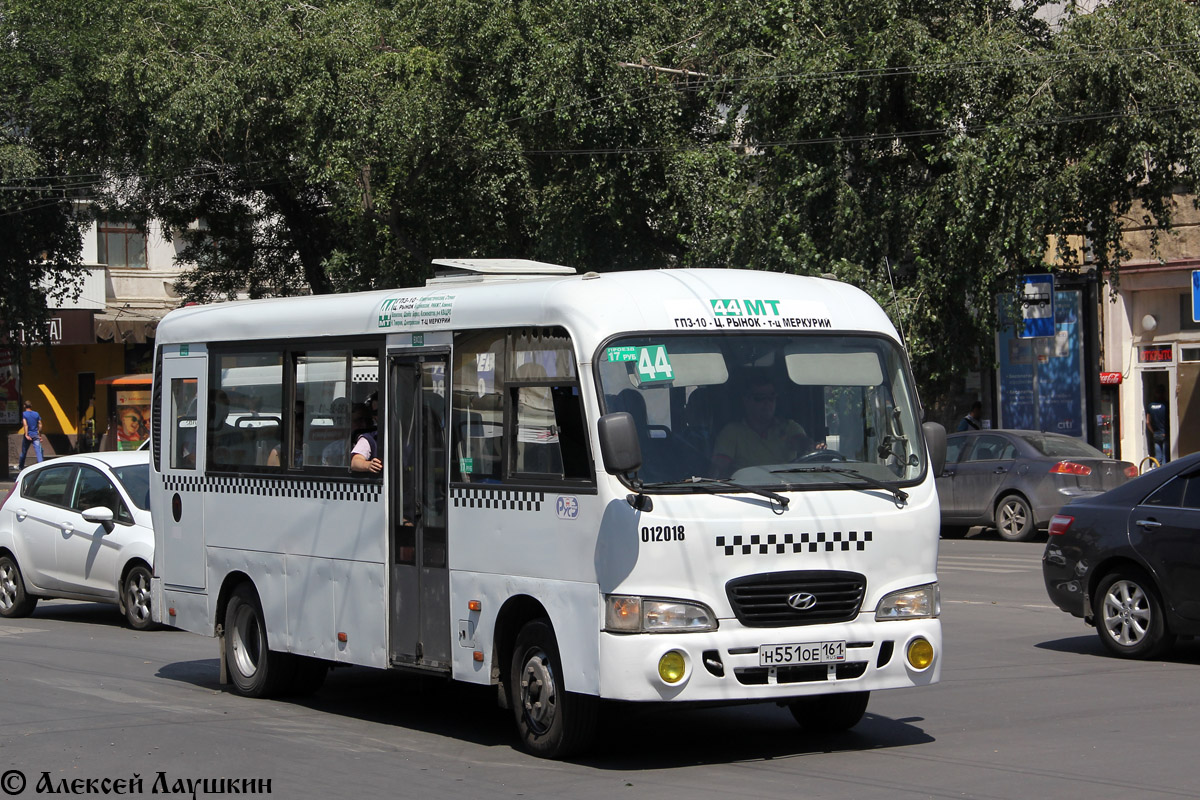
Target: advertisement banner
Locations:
point(133, 418)
point(1041, 380)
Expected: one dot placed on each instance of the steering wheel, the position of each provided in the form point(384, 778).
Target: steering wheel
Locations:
point(821, 456)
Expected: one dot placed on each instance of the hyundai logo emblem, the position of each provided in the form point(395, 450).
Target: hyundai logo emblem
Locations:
point(802, 601)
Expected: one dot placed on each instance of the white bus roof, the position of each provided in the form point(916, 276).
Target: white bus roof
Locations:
point(591, 307)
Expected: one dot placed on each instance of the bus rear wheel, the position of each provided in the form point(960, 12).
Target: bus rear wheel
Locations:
point(830, 713)
point(551, 722)
point(254, 669)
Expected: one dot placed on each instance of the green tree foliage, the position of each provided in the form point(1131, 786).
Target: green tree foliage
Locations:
point(925, 150)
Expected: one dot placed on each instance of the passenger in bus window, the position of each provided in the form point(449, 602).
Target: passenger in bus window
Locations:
point(760, 437)
point(223, 438)
point(366, 455)
point(345, 421)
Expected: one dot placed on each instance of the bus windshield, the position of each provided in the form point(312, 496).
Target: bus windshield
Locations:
point(797, 411)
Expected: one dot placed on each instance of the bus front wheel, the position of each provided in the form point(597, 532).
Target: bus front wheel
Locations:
point(830, 713)
point(254, 670)
point(551, 722)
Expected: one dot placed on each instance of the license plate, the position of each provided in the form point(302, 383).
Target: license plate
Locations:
point(786, 655)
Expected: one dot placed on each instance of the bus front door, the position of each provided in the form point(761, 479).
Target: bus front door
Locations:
point(419, 613)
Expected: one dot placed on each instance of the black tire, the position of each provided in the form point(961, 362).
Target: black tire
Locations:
point(1014, 519)
point(954, 531)
point(135, 598)
point(1129, 615)
point(551, 722)
point(254, 669)
point(830, 713)
point(14, 602)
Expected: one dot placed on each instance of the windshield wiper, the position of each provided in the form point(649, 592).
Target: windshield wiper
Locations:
point(899, 494)
point(709, 483)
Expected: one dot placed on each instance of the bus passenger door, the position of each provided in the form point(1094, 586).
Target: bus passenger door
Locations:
point(415, 459)
point(180, 560)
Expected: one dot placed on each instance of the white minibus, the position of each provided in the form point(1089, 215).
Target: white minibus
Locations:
point(684, 486)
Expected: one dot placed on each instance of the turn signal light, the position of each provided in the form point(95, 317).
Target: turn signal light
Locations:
point(1059, 524)
point(474, 605)
point(343, 638)
point(1071, 468)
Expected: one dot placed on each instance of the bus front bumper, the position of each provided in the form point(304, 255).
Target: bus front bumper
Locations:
point(724, 665)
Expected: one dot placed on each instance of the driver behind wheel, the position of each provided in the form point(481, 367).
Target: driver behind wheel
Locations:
point(760, 437)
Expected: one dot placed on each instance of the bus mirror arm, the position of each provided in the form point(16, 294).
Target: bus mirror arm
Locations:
point(619, 445)
point(622, 453)
point(935, 437)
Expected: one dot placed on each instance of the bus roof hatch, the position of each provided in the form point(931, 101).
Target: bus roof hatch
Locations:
point(479, 269)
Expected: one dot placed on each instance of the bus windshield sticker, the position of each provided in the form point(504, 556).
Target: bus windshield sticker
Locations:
point(410, 311)
point(621, 354)
point(653, 364)
point(755, 313)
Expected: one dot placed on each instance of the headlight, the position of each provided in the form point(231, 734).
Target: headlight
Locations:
point(916, 603)
point(628, 614)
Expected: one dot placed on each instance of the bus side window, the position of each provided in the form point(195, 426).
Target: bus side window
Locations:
point(477, 413)
point(183, 412)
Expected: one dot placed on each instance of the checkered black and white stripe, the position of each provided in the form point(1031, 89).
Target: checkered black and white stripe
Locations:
point(503, 499)
point(794, 542)
point(276, 487)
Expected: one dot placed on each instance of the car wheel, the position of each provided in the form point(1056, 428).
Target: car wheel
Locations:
point(954, 531)
point(1014, 519)
point(254, 669)
point(135, 597)
point(830, 713)
point(14, 602)
point(1129, 616)
point(551, 722)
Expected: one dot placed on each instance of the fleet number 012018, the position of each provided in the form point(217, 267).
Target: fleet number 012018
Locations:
point(785, 655)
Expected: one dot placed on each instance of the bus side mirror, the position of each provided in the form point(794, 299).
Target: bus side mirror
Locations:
point(935, 437)
point(619, 446)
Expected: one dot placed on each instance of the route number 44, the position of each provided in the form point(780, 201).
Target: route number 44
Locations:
point(654, 365)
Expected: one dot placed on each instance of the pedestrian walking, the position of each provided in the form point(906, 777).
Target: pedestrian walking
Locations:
point(1156, 426)
point(970, 421)
point(31, 435)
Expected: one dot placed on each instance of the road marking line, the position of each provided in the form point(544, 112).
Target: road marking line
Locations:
point(6, 631)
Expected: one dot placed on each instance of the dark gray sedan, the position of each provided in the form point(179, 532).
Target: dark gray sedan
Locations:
point(1128, 561)
point(1017, 480)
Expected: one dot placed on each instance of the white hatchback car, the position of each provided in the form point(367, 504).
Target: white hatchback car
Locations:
point(79, 527)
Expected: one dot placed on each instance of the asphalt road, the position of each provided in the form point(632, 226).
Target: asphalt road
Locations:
point(1029, 707)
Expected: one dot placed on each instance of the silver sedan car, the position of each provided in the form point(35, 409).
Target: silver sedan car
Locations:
point(1017, 480)
point(79, 527)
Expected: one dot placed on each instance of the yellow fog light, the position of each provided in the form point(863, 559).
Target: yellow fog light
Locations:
point(672, 666)
point(920, 653)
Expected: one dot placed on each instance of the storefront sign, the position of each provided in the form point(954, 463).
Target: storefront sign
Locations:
point(1155, 354)
point(1110, 379)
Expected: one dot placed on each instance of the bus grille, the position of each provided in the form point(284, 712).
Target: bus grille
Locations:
point(761, 601)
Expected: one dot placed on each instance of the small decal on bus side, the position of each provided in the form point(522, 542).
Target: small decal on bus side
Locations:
point(413, 311)
point(567, 507)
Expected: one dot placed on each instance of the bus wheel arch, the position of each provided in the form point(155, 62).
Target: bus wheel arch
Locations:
point(254, 669)
point(516, 612)
point(551, 722)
